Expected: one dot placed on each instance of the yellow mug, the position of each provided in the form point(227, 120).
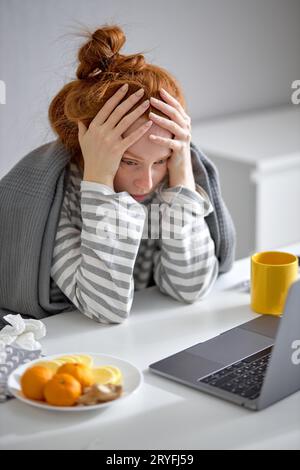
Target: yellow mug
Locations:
point(272, 273)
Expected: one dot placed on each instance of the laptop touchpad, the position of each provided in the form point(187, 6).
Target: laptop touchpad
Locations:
point(231, 346)
point(264, 325)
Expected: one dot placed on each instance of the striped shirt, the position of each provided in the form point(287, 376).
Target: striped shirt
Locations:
point(108, 245)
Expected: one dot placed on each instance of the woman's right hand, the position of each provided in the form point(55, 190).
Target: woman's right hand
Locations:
point(102, 144)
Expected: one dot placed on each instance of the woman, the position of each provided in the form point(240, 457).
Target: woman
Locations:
point(124, 127)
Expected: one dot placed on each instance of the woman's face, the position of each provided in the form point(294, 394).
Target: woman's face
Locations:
point(144, 164)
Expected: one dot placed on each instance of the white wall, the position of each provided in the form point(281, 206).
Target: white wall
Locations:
point(230, 55)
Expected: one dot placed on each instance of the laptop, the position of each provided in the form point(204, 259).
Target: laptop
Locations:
point(253, 365)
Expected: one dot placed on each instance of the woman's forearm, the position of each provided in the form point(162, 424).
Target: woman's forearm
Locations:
point(94, 266)
point(186, 266)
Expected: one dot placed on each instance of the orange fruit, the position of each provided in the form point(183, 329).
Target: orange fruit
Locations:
point(80, 372)
point(62, 390)
point(52, 365)
point(33, 382)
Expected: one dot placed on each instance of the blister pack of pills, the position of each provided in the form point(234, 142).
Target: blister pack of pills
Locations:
point(15, 357)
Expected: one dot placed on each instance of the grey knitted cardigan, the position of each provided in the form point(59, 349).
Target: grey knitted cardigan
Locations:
point(31, 196)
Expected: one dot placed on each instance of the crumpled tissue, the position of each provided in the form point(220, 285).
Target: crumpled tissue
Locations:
point(21, 333)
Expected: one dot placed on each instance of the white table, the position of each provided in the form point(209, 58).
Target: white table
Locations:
point(162, 414)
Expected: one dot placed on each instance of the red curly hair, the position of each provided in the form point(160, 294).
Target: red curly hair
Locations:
point(82, 98)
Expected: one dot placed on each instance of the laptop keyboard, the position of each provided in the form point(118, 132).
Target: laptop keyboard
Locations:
point(243, 378)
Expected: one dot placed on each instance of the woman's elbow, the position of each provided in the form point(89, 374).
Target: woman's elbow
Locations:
point(107, 311)
point(104, 318)
point(203, 289)
point(108, 315)
point(193, 297)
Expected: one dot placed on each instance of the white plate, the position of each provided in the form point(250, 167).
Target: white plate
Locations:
point(132, 379)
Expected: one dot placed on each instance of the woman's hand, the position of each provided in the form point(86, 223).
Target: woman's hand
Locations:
point(180, 163)
point(102, 144)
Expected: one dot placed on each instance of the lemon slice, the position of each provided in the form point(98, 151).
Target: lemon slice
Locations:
point(59, 362)
point(81, 358)
point(56, 363)
point(85, 359)
point(65, 359)
point(104, 375)
point(117, 373)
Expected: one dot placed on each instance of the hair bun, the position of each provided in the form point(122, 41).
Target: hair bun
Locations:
point(97, 53)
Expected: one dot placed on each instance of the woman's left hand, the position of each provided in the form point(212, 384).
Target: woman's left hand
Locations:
point(179, 124)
